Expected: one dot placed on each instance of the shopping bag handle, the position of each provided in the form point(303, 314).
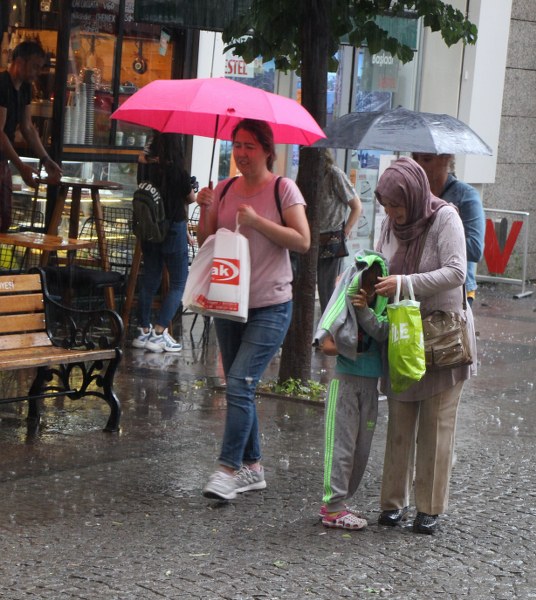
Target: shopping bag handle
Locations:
point(398, 286)
point(409, 287)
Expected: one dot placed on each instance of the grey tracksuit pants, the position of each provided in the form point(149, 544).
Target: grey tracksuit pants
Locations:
point(351, 413)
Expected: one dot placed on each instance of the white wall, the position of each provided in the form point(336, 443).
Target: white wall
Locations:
point(440, 74)
point(468, 82)
point(211, 64)
point(482, 87)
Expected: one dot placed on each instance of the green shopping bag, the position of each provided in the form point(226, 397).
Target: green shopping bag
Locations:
point(406, 345)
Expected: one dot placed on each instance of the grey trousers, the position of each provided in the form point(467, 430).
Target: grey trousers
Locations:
point(351, 413)
point(420, 443)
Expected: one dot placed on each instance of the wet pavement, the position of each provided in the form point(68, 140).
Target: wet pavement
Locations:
point(90, 515)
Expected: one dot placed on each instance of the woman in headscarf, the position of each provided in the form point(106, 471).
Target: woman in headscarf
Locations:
point(423, 239)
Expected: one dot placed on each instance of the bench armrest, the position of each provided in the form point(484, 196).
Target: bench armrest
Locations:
point(75, 328)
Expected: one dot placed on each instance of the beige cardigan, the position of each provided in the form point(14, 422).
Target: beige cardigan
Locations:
point(437, 286)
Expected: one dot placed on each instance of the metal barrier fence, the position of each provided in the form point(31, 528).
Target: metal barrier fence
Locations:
point(503, 231)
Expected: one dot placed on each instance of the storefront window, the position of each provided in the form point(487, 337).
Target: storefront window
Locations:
point(95, 84)
point(379, 82)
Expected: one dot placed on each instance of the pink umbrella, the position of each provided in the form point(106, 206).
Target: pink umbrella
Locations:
point(212, 107)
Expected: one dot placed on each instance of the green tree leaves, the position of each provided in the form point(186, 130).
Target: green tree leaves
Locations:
point(274, 29)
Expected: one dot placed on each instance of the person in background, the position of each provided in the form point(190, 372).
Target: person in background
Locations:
point(352, 402)
point(163, 166)
point(422, 238)
point(340, 207)
point(28, 60)
point(247, 348)
point(439, 169)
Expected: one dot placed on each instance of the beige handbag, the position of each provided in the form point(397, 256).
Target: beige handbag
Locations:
point(446, 343)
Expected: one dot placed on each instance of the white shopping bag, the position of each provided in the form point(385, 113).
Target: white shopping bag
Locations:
point(198, 280)
point(221, 290)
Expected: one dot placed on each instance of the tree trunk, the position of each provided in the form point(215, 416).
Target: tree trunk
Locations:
point(297, 350)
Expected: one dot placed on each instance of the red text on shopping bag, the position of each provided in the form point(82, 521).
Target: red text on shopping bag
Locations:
point(225, 271)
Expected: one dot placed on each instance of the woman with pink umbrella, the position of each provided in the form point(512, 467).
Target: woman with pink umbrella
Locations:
point(247, 348)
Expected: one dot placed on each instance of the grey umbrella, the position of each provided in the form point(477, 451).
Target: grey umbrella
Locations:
point(403, 130)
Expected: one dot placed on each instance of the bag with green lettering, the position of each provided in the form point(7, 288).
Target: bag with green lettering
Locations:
point(406, 345)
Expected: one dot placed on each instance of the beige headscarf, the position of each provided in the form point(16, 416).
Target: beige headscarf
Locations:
point(406, 183)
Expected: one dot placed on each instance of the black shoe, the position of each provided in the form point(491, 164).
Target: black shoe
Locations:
point(425, 523)
point(393, 517)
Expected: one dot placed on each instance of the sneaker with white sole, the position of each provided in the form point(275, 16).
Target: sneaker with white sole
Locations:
point(224, 486)
point(221, 486)
point(249, 480)
point(162, 342)
point(324, 511)
point(345, 519)
point(142, 337)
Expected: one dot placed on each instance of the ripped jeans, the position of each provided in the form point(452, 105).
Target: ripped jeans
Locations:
point(246, 350)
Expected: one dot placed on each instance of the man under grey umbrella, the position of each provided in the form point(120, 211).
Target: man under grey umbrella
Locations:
point(439, 169)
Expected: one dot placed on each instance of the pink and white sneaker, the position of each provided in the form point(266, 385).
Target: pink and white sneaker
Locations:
point(344, 520)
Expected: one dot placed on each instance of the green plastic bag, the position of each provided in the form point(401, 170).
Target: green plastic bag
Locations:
point(406, 345)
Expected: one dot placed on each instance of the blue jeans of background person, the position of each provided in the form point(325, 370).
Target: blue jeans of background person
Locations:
point(246, 350)
point(173, 253)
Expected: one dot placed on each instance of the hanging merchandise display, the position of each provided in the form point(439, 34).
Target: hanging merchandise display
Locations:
point(89, 80)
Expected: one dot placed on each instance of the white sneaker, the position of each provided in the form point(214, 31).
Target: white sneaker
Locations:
point(224, 486)
point(248, 480)
point(221, 486)
point(141, 339)
point(162, 343)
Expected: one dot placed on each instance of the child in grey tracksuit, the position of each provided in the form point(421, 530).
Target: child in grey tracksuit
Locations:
point(353, 327)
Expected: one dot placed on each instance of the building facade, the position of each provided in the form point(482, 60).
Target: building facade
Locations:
point(515, 179)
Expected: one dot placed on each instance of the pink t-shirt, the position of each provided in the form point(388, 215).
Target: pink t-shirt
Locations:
point(271, 273)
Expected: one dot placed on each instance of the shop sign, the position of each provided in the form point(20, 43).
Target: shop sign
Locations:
point(380, 72)
point(235, 66)
point(210, 15)
point(498, 249)
point(97, 16)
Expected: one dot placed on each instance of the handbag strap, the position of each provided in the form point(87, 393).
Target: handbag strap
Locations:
point(424, 236)
point(278, 199)
point(419, 256)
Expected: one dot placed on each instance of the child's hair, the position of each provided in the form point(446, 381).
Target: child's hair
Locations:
point(371, 274)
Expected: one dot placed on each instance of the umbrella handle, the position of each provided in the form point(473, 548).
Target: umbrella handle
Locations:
point(203, 210)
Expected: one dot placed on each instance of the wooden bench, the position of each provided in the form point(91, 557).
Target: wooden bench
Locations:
point(76, 352)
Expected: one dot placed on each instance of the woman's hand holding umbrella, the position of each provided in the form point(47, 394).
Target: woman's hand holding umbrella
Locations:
point(205, 198)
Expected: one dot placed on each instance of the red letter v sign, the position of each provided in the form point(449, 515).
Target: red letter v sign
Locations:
point(496, 259)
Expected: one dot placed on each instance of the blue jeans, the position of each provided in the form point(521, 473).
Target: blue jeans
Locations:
point(246, 350)
point(173, 253)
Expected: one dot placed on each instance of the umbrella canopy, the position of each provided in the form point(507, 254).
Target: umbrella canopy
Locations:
point(212, 107)
point(403, 130)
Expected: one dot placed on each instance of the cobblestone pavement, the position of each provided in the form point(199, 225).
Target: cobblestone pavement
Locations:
point(89, 515)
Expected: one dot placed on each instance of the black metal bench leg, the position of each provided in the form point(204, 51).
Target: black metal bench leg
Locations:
point(110, 396)
point(34, 403)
